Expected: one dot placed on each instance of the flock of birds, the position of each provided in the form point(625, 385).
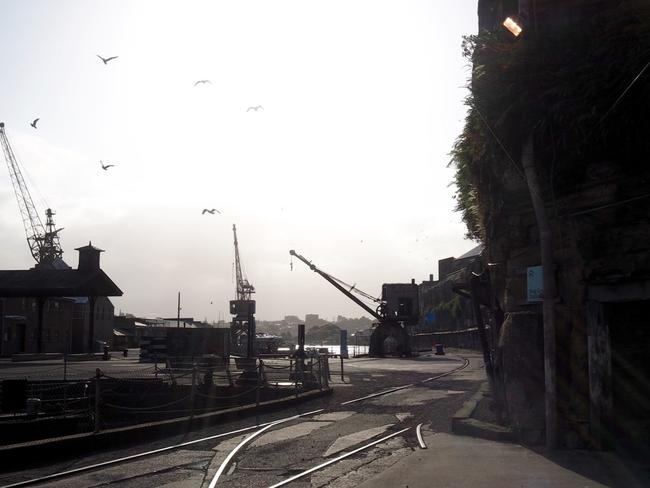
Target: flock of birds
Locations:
point(105, 167)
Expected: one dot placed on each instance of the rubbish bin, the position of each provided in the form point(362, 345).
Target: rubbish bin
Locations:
point(439, 350)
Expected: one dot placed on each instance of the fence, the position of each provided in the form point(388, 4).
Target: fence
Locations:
point(462, 339)
point(182, 387)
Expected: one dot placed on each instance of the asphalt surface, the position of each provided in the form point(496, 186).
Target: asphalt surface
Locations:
point(291, 447)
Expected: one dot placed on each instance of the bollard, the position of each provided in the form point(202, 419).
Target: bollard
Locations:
point(193, 390)
point(320, 373)
point(259, 383)
point(98, 375)
point(342, 374)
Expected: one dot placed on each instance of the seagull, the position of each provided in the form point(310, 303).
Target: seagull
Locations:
point(256, 108)
point(106, 60)
point(106, 166)
point(211, 212)
point(33, 124)
point(202, 82)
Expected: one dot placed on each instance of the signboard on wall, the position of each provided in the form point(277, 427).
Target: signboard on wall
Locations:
point(534, 284)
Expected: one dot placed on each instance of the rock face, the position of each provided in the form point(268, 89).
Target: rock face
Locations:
point(521, 366)
point(601, 251)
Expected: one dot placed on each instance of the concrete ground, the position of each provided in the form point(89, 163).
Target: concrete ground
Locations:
point(299, 444)
point(54, 369)
point(458, 461)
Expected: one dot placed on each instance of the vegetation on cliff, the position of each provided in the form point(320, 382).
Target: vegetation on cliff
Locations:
point(582, 89)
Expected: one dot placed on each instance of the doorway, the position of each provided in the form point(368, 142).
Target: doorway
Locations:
point(21, 338)
point(628, 424)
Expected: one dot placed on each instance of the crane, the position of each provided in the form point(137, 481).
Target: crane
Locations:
point(242, 327)
point(388, 326)
point(243, 288)
point(43, 240)
point(341, 286)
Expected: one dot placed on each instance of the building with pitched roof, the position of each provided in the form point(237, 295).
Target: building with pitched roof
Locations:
point(57, 310)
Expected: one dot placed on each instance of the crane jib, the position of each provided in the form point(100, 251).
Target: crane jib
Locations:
point(337, 284)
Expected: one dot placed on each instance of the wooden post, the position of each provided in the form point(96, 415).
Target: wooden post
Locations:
point(480, 325)
point(98, 375)
point(549, 290)
point(259, 383)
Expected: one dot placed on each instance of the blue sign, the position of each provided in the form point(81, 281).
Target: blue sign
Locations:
point(430, 318)
point(534, 284)
point(344, 344)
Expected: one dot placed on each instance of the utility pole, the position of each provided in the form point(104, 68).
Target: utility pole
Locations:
point(178, 310)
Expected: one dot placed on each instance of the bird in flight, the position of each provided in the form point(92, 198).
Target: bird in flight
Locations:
point(256, 108)
point(33, 124)
point(105, 166)
point(106, 60)
point(202, 82)
point(211, 211)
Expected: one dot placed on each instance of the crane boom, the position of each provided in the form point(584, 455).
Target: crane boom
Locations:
point(43, 241)
point(244, 288)
point(336, 283)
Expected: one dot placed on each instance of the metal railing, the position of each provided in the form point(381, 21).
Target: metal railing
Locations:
point(183, 387)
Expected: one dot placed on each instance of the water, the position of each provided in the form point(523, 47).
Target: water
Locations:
point(335, 349)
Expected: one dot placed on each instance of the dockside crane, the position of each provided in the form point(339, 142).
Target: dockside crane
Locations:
point(387, 325)
point(43, 240)
point(242, 327)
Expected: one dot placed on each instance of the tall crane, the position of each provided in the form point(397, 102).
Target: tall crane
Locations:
point(242, 327)
point(43, 240)
point(389, 324)
point(244, 288)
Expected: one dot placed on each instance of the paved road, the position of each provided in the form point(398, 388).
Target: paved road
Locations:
point(54, 369)
point(295, 446)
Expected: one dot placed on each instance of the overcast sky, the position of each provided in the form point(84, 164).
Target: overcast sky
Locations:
point(347, 163)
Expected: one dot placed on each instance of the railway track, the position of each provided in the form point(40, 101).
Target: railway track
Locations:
point(261, 428)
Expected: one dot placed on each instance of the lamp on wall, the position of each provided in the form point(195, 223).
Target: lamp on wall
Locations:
point(514, 25)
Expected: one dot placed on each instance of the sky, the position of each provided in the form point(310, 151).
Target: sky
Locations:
point(347, 162)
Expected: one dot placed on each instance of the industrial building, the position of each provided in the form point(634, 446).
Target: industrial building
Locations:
point(49, 310)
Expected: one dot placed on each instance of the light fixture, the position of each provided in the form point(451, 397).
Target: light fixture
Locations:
point(513, 25)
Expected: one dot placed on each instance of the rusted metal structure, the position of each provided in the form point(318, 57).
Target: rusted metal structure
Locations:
point(43, 240)
point(397, 309)
point(242, 327)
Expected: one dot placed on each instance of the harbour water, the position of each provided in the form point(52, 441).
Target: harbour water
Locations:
point(353, 350)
